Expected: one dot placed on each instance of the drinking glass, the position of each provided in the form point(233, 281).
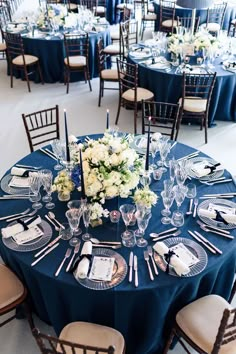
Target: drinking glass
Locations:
point(153, 150)
point(145, 179)
point(56, 148)
point(178, 216)
point(46, 176)
point(143, 217)
point(77, 204)
point(172, 169)
point(191, 190)
point(73, 217)
point(127, 212)
point(164, 151)
point(86, 220)
point(167, 198)
point(35, 184)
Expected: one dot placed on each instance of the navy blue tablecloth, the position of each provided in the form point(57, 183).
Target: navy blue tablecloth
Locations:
point(110, 10)
point(144, 315)
point(167, 88)
point(230, 14)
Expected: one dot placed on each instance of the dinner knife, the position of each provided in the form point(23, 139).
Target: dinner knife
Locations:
point(217, 232)
point(76, 250)
point(48, 246)
point(208, 242)
point(218, 182)
point(193, 154)
point(135, 271)
point(220, 196)
point(131, 259)
point(212, 227)
point(201, 241)
point(67, 255)
point(15, 215)
point(44, 254)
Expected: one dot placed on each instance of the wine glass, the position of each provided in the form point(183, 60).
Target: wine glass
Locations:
point(86, 220)
point(56, 148)
point(46, 176)
point(127, 212)
point(73, 217)
point(164, 151)
point(143, 217)
point(167, 198)
point(35, 184)
point(153, 150)
point(178, 216)
point(77, 205)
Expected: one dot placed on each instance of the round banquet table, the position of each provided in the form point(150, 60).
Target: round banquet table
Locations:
point(51, 54)
point(144, 315)
point(167, 87)
point(230, 14)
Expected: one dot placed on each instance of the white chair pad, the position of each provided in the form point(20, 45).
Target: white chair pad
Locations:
point(11, 289)
point(142, 94)
point(115, 35)
point(74, 61)
point(73, 6)
point(112, 49)
point(100, 9)
point(92, 334)
point(109, 74)
point(29, 59)
point(3, 47)
point(123, 5)
point(211, 26)
point(194, 104)
point(168, 23)
point(200, 321)
point(150, 17)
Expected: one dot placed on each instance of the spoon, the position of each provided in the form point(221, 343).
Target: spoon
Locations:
point(52, 222)
point(165, 236)
point(96, 242)
point(52, 216)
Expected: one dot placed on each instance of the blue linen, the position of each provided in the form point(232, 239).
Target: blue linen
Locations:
point(144, 315)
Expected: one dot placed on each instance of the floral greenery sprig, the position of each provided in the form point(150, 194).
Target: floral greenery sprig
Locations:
point(145, 197)
point(62, 183)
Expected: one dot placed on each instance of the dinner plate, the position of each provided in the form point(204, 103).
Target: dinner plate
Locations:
point(11, 190)
point(209, 161)
point(212, 222)
point(196, 249)
point(32, 245)
point(119, 271)
point(140, 54)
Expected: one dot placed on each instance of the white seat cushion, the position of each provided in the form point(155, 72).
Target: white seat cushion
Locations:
point(11, 289)
point(112, 49)
point(211, 26)
point(151, 8)
point(200, 321)
point(109, 74)
point(92, 334)
point(150, 17)
point(29, 59)
point(100, 9)
point(168, 23)
point(73, 6)
point(77, 60)
point(194, 104)
point(2, 47)
point(142, 94)
point(123, 5)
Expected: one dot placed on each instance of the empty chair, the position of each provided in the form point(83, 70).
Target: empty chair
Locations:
point(130, 95)
point(77, 57)
point(41, 126)
point(98, 7)
point(207, 324)
point(18, 59)
point(12, 294)
point(167, 16)
point(3, 47)
point(196, 96)
point(120, 8)
point(72, 6)
point(105, 75)
point(117, 49)
point(163, 117)
point(82, 337)
point(186, 23)
point(215, 17)
point(148, 18)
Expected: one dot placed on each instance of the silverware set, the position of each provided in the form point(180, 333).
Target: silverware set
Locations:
point(49, 153)
point(164, 236)
point(67, 255)
point(133, 266)
point(28, 215)
point(206, 243)
point(53, 220)
point(148, 254)
point(45, 254)
point(29, 167)
point(218, 195)
point(215, 230)
point(14, 215)
point(189, 156)
point(217, 181)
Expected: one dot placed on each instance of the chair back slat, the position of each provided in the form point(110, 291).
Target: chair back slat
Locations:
point(198, 85)
point(186, 22)
point(227, 330)
point(128, 76)
point(14, 45)
point(216, 13)
point(76, 45)
point(167, 10)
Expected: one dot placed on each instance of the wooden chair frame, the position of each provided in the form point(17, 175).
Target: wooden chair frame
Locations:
point(146, 21)
point(186, 22)
point(35, 124)
point(167, 12)
point(216, 14)
point(199, 86)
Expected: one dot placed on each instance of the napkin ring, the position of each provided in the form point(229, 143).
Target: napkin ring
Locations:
point(220, 218)
point(77, 261)
point(21, 222)
point(167, 257)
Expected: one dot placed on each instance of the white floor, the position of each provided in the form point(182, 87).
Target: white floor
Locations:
point(84, 117)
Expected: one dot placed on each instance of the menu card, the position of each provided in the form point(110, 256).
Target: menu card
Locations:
point(102, 268)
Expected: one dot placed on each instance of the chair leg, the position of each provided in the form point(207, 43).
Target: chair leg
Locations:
point(27, 79)
point(11, 72)
point(40, 73)
point(100, 93)
point(135, 117)
point(118, 111)
point(169, 341)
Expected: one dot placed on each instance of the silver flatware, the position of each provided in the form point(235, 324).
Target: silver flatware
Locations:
point(189, 156)
point(173, 234)
point(44, 254)
point(195, 203)
point(28, 167)
point(67, 255)
point(48, 246)
point(13, 215)
point(131, 260)
point(50, 152)
point(136, 271)
point(217, 232)
point(11, 197)
point(76, 250)
point(52, 222)
point(212, 180)
point(213, 227)
point(173, 145)
point(201, 241)
point(22, 216)
point(52, 216)
point(189, 212)
point(149, 248)
point(47, 153)
point(218, 182)
point(154, 234)
point(146, 257)
point(220, 196)
point(107, 246)
point(97, 242)
point(208, 242)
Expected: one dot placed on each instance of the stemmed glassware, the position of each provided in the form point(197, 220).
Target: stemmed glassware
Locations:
point(127, 212)
point(57, 149)
point(167, 198)
point(46, 176)
point(143, 216)
point(178, 216)
point(153, 150)
point(164, 151)
point(77, 205)
point(73, 217)
point(35, 184)
point(86, 220)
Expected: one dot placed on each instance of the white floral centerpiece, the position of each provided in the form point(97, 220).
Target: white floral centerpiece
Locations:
point(54, 12)
point(145, 197)
point(63, 185)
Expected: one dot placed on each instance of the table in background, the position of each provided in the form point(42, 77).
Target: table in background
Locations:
point(167, 88)
point(144, 315)
point(110, 9)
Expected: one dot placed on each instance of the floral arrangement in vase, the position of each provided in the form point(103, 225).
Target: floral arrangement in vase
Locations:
point(55, 13)
point(63, 185)
point(145, 197)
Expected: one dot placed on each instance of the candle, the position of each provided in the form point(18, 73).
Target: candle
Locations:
point(114, 216)
point(66, 137)
point(82, 176)
point(148, 147)
point(107, 119)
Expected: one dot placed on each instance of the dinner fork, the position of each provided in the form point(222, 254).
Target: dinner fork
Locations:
point(149, 248)
point(146, 257)
point(76, 250)
point(15, 215)
point(29, 167)
point(107, 246)
point(22, 216)
point(67, 255)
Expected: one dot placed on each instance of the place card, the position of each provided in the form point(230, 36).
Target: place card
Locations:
point(184, 254)
point(19, 182)
point(221, 208)
point(102, 268)
point(28, 235)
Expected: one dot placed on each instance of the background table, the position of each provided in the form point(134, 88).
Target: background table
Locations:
point(110, 9)
point(167, 88)
point(144, 315)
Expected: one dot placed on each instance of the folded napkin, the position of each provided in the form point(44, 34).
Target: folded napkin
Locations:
point(226, 218)
point(156, 136)
point(160, 66)
point(142, 143)
point(19, 227)
point(205, 168)
point(17, 171)
point(179, 266)
point(83, 267)
point(19, 182)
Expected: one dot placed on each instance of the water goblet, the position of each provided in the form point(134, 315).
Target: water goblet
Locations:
point(77, 204)
point(143, 217)
point(127, 212)
point(145, 179)
point(191, 190)
point(164, 151)
point(56, 148)
point(46, 176)
point(178, 216)
point(153, 150)
point(167, 198)
point(35, 184)
point(73, 217)
point(86, 220)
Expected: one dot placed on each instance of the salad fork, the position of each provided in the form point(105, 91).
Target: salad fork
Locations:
point(152, 259)
point(76, 250)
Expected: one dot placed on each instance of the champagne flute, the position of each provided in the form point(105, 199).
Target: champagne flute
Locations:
point(35, 184)
point(86, 219)
point(46, 176)
point(73, 217)
point(56, 148)
point(143, 217)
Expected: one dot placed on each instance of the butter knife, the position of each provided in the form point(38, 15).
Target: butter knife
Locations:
point(131, 259)
point(135, 271)
point(48, 246)
point(44, 254)
point(200, 241)
point(208, 242)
